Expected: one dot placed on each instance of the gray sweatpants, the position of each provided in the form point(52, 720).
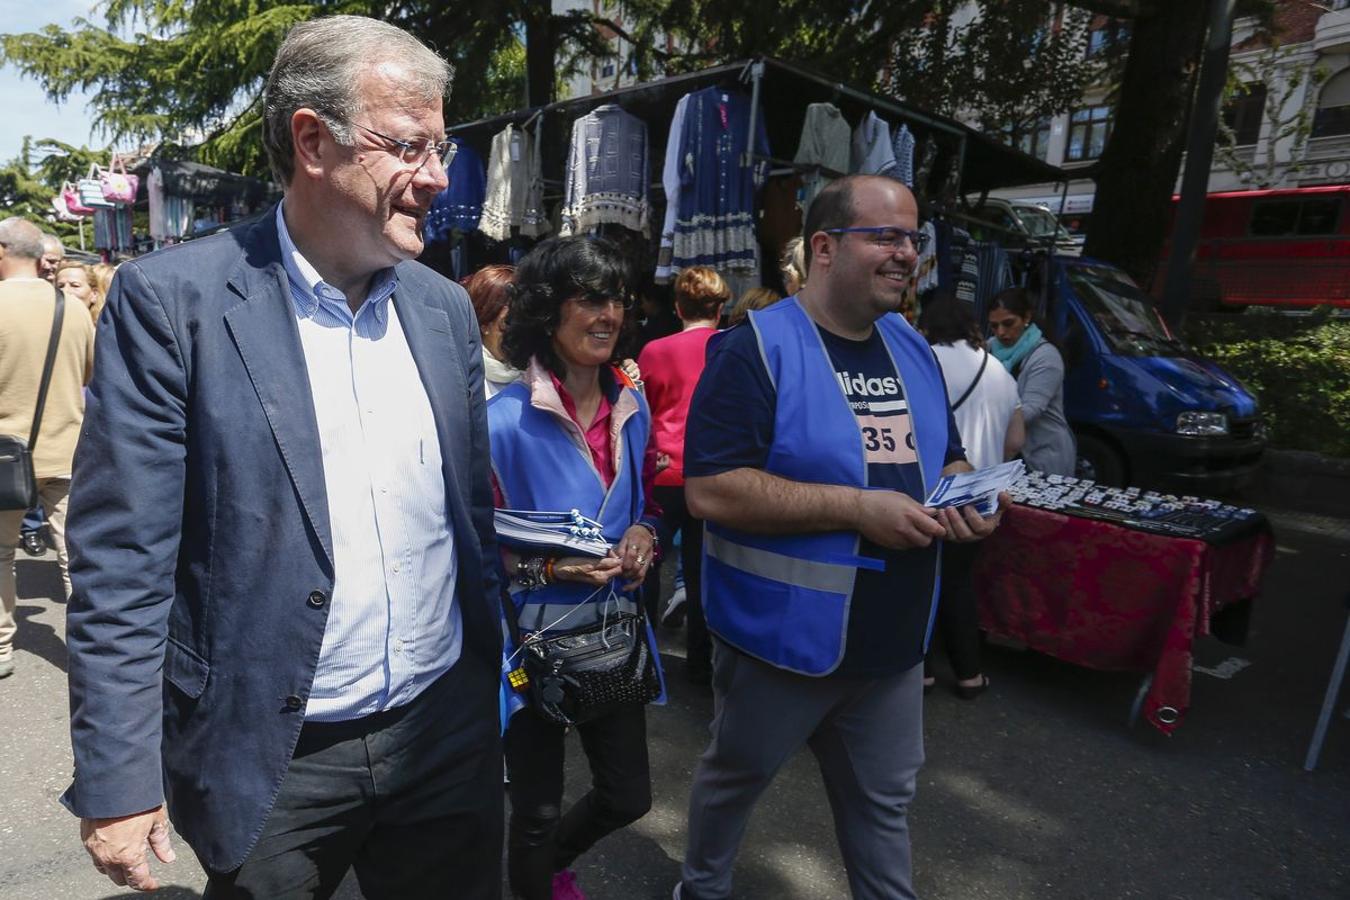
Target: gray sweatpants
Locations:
point(867, 736)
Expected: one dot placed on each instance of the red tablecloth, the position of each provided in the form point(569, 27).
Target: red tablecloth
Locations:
point(1112, 598)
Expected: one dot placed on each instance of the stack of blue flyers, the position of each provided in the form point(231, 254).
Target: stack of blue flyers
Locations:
point(551, 532)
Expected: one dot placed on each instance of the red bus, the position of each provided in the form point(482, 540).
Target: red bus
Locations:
point(1287, 248)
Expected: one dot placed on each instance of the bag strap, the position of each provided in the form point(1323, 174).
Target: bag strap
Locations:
point(53, 341)
point(978, 375)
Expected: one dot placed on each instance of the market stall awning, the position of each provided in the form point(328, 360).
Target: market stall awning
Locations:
point(786, 89)
point(206, 184)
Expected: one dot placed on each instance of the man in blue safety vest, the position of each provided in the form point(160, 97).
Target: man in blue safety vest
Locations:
point(815, 433)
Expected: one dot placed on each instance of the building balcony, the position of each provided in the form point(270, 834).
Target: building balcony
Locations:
point(1333, 32)
point(1333, 147)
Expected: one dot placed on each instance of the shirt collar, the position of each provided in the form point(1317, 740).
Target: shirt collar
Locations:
point(309, 290)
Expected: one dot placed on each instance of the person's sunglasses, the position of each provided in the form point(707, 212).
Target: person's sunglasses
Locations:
point(594, 301)
point(415, 153)
point(887, 237)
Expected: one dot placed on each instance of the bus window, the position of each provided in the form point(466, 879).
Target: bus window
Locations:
point(1319, 215)
point(1274, 218)
point(1295, 216)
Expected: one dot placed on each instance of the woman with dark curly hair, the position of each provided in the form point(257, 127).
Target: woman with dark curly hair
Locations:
point(572, 434)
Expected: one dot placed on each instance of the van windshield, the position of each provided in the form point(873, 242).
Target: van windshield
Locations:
point(1039, 222)
point(1125, 314)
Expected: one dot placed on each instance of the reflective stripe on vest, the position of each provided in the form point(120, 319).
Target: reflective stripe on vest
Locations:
point(834, 577)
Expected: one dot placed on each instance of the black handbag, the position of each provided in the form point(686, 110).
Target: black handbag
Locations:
point(18, 484)
point(583, 675)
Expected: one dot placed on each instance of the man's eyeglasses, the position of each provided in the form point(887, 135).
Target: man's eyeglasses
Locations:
point(887, 237)
point(593, 301)
point(415, 153)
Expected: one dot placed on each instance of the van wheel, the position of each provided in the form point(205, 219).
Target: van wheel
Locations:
point(1098, 461)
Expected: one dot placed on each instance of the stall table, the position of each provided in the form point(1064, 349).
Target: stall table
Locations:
point(1109, 597)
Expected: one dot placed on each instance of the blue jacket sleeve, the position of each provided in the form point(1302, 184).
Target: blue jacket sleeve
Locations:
point(126, 508)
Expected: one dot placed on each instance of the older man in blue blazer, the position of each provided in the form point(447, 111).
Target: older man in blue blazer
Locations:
point(284, 627)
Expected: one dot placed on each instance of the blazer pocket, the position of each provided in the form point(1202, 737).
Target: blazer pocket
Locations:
point(184, 669)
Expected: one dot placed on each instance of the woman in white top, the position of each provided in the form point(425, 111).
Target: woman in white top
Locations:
point(490, 291)
point(986, 408)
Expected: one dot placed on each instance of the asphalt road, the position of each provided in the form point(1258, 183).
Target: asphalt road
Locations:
point(1036, 790)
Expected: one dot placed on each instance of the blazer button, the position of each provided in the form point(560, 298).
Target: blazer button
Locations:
point(317, 599)
point(293, 702)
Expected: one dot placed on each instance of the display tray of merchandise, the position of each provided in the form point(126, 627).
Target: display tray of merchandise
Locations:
point(1175, 516)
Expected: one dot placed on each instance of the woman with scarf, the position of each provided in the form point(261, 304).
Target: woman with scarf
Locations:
point(1022, 347)
point(572, 434)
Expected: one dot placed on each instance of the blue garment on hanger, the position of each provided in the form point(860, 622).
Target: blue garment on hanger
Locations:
point(460, 205)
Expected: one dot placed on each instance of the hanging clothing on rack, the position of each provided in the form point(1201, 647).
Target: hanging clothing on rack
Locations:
point(719, 184)
point(671, 167)
point(825, 143)
point(515, 186)
point(606, 179)
point(904, 156)
point(873, 152)
point(460, 206)
point(154, 193)
point(925, 268)
point(995, 272)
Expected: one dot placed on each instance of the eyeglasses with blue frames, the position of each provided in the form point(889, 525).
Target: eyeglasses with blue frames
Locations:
point(887, 237)
point(597, 302)
point(416, 152)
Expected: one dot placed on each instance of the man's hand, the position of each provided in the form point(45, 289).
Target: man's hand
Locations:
point(118, 846)
point(896, 520)
point(964, 524)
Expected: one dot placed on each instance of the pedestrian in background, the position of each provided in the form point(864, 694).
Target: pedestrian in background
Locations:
point(1023, 348)
point(671, 367)
point(984, 401)
point(490, 292)
point(27, 309)
point(53, 253)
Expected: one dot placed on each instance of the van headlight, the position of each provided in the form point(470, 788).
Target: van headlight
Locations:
point(1202, 424)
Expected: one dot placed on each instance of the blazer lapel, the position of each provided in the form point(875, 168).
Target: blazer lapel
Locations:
point(265, 332)
point(441, 366)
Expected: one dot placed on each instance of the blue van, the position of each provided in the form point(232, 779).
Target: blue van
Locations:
point(1146, 409)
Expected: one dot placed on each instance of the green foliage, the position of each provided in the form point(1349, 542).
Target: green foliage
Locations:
point(1016, 63)
point(849, 40)
point(190, 72)
point(1299, 368)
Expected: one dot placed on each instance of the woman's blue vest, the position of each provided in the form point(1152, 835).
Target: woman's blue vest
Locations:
point(539, 467)
point(785, 598)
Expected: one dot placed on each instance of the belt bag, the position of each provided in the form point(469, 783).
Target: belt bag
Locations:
point(584, 675)
point(18, 486)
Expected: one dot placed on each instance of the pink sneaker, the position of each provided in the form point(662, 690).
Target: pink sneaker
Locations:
point(565, 886)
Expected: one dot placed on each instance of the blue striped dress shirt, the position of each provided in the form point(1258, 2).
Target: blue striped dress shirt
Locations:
point(393, 624)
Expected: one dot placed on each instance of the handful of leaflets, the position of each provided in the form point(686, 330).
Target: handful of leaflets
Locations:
point(550, 532)
point(979, 488)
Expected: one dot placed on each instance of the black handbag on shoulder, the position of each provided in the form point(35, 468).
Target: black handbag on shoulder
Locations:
point(584, 675)
point(18, 484)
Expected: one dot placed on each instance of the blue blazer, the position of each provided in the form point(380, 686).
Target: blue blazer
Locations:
point(201, 552)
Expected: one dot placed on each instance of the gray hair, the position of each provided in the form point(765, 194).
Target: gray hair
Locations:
point(319, 66)
point(21, 238)
point(52, 242)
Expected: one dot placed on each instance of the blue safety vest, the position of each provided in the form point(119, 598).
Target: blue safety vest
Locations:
point(539, 467)
point(785, 598)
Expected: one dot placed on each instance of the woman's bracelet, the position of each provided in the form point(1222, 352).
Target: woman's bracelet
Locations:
point(656, 539)
point(531, 571)
point(548, 570)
